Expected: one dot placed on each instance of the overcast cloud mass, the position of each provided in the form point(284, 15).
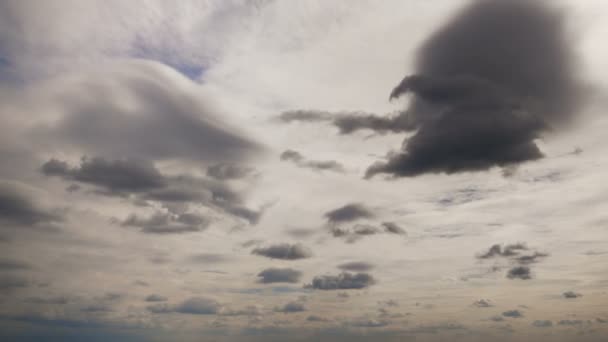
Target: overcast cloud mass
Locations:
point(262, 170)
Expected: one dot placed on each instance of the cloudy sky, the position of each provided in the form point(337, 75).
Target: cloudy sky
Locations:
point(303, 170)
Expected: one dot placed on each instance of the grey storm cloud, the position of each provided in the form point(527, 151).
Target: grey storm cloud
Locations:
point(167, 223)
point(513, 314)
point(486, 85)
point(319, 165)
point(191, 306)
point(229, 171)
point(348, 213)
point(13, 265)
point(350, 122)
point(141, 179)
point(291, 307)
point(571, 294)
point(542, 324)
point(356, 266)
point(279, 275)
point(393, 228)
point(165, 119)
point(156, 298)
point(284, 251)
point(519, 272)
point(19, 206)
point(342, 281)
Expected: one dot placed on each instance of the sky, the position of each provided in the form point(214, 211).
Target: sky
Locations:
point(303, 170)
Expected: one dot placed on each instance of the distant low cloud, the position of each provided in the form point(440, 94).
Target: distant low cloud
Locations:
point(348, 213)
point(483, 303)
point(393, 228)
point(279, 275)
point(156, 298)
point(228, 171)
point(298, 159)
point(284, 251)
point(291, 307)
point(19, 207)
point(571, 294)
point(356, 266)
point(191, 306)
point(342, 281)
point(513, 314)
point(542, 324)
point(519, 272)
point(168, 223)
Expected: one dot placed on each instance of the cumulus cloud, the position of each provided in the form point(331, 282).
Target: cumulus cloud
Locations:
point(19, 206)
point(142, 180)
point(284, 251)
point(298, 159)
point(168, 223)
point(483, 303)
point(356, 266)
point(393, 228)
point(471, 110)
point(156, 298)
point(571, 294)
point(291, 307)
point(519, 272)
point(191, 306)
point(342, 281)
point(512, 314)
point(185, 125)
point(279, 275)
point(348, 213)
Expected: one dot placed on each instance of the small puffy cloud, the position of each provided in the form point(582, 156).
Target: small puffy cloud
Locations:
point(168, 223)
point(513, 314)
point(318, 165)
point(342, 281)
point(315, 318)
point(393, 228)
point(19, 205)
point(291, 307)
point(519, 272)
point(356, 266)
point(367, 323)
point(156, 298)
point(198, 306)
point(279, 275)
point(571, 294)
point(570, 322)
point(284, 251)
point(229, 171)
point(348, 213)
point(483, 303)
point(542, 324)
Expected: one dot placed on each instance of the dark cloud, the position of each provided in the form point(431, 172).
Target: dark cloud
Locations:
point(228, 171)
point(10, 282)
point(141, 180)
point(284, 251)
point(198, 306)
point(60, 300)
point(250, 310)
point(167, 223)
point(507, 251)
point(519, 272)
point(571, 294)
point(348, 213)
point(342, 281)
point(164, 118)
point(393, 228)
point(156, 298)
point(356, 266)
point(19, 206)
point(350, 122)
point(542, 324)
point(483, 303)
point(210, 258)
point(570, 322)
point(513, 314)
point(279, 275)
point(13, 265)
point(298, 159)
point(315, 318)
point(291, 307)
point(486, 85)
